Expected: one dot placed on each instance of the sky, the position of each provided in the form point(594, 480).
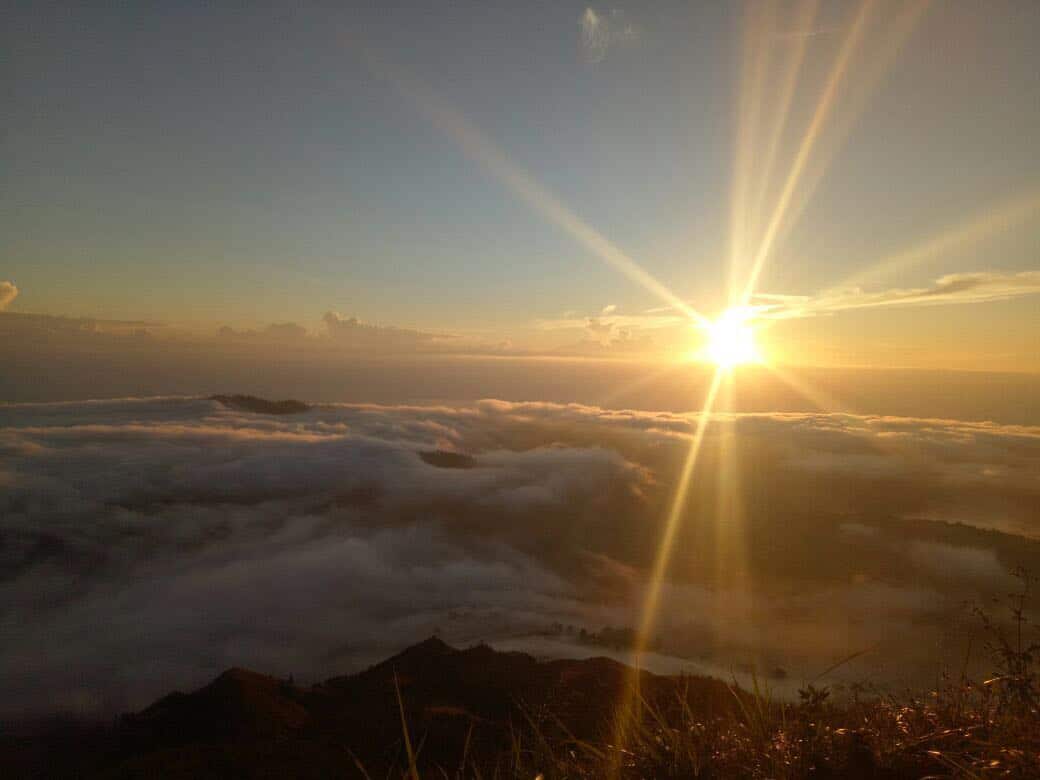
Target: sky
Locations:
point(198, 166)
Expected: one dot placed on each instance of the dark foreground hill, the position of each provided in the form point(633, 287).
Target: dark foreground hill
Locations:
point(245, 724)
point(482, 713)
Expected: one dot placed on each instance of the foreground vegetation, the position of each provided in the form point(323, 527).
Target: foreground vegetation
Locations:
point(959, 731)
point(962, 729)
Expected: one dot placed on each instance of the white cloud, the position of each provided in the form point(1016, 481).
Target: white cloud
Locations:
point(8, 292)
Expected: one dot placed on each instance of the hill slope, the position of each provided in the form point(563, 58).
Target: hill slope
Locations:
point(246, 724)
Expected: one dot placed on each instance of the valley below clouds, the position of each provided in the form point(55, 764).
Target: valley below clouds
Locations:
point(147, 544)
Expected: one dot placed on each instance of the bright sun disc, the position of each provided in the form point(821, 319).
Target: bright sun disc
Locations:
point(731, 341)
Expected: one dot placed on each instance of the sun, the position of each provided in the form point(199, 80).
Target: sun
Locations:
point(731, 340)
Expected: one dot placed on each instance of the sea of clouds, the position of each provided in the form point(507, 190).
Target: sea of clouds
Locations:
point(147, 544)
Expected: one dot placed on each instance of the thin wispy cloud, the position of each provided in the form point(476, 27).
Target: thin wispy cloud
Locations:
point(963, 288)
point(950, 289)
point(602, 31)
point(655, 319)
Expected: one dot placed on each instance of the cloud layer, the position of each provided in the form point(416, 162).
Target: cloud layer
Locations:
point(150, 543)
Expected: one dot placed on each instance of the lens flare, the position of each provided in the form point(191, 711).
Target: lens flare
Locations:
point(731, 340)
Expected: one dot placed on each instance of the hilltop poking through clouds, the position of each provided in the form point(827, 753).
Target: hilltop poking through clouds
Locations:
point(250, 403)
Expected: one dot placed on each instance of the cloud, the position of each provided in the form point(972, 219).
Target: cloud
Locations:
point(25, 328)
point(599, 330)
point(8, 292)
point(351, 332)
point(648, 321)
point(335, 332)
point(149, 543)
point(602, 31)
point(606, 334)
point(276, 332)
point(961, 288)
point(612, 331)
point(979, 287)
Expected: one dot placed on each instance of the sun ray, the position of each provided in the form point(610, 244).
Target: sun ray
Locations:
point(757, 25)
point(974, 230)
point(476, 145)
point(646, 379)
point(805, 17)
point(823, 108)
point(860, 91)
point(663, 557)
point(678, 504)
point(727, 527)
point(822, 400)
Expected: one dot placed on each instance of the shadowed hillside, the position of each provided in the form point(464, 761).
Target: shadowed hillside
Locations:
point(449, 697)
point(250, 725)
